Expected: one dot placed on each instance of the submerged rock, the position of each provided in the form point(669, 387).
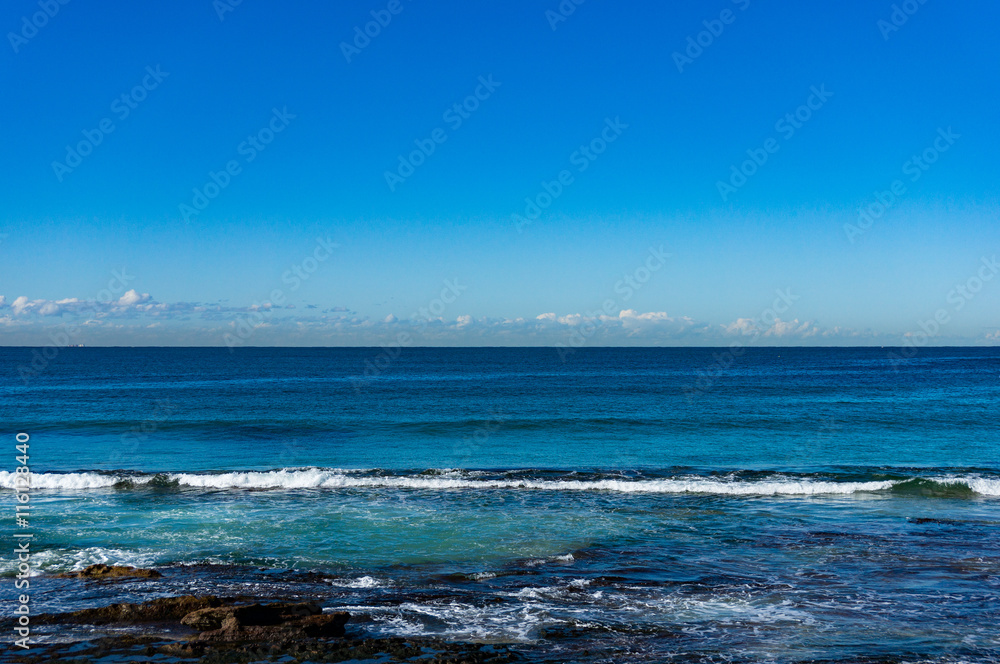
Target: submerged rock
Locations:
point(252, 614)
point(297, 651)
point(265, 622)
point(166, 609)
point(217, 619)
point(318, 626)
point(111, 571)
point(237, 630)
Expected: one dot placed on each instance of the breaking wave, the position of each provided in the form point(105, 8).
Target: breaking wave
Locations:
point(772, 484)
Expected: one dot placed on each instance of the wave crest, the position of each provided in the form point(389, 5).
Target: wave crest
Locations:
point(775, 484)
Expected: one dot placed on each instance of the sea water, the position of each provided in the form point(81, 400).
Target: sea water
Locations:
point(773, 504)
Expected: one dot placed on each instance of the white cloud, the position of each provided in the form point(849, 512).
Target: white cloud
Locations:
point(138, 318)
point(791, 328)
point(741, 326)
point(130, 304)
point(779, 328)
point(19, 305)
point(131, 297)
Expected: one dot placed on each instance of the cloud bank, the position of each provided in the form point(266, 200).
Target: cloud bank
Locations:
point(137, 318)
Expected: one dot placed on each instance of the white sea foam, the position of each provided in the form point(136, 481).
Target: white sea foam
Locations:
point(317, 478)
point(513, 622)
point(729, 609)
point(69, 481)
point(55, 561)
point(483, 576)
point(981, 485)
point(274, 479)
point(568, 558)
point(360, 582)
point(519, 616)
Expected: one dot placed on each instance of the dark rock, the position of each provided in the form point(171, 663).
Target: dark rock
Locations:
point(325, 625)
point(233, 630)
point(111, 572)
point(167, 609)
point(254, 614)
point(345, 649)
point(244, 630)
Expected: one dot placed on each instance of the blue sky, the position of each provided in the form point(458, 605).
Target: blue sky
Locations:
point(644, 126)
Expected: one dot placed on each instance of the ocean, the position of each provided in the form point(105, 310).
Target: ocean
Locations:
point(609, 505)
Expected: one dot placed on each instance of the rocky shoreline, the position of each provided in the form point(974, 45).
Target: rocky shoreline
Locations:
point(213, 629)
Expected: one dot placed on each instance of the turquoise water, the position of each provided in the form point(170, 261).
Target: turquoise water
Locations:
point(630, 504)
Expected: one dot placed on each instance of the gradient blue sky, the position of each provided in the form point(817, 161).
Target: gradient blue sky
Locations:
point(198, 279)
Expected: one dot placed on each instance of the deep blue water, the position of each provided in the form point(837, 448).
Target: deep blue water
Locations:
point(632, 504)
